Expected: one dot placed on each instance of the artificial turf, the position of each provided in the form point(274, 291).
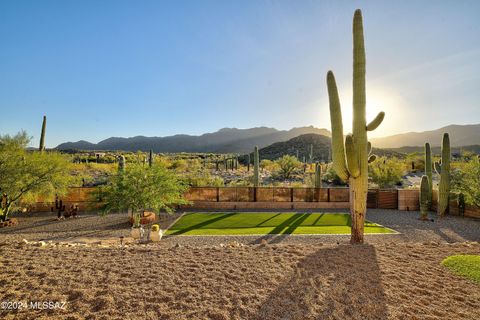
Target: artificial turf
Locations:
point(267, 223)
point(464, 265)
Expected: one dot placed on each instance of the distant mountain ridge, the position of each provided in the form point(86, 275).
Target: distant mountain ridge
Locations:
point(460, 135)
point(233, 140)
point(226, 140)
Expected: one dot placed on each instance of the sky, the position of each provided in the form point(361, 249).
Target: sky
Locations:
point(98, 69)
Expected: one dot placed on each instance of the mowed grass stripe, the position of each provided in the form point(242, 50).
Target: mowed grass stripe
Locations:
point(267, 223)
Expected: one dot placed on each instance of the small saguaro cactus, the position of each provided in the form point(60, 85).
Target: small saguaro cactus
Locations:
point(256, 164)
point(351, 158)
point(443, 169)
point(121, 163)
point(59, 206)
point(150, 158)
point(424, 198)
point(42, 135)
point(310, 155)
point(318, 175)
point(428, 172)
point(248, 162)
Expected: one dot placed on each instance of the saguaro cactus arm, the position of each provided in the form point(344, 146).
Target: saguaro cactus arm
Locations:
point(338, 149)
point(376, 122)
point(352, 160)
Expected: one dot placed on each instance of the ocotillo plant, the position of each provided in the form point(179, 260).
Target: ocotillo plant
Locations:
point(424, 198)
point(318, 175)
point(443, 169)
point(428, 172)
point(121, 163)
point(42, 135)
point(350, 159)
point(256, 164)
point(150, 158)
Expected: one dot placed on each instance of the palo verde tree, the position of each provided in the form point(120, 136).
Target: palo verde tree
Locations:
point(139, 188)
point(25, 176)
point(350, 158)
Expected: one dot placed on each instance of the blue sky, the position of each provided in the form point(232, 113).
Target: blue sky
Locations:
point(124, 68)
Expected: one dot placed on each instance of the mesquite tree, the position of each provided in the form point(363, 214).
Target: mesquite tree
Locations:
point(25, 176)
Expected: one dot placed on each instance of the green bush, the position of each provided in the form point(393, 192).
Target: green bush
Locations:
point(386, 173)
point(465, 179)
point(287, 165)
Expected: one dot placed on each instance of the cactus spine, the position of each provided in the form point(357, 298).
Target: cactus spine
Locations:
point(318, 175)
point(42, 135)
point(256, 163)
point(424, 197)
point(428, 172)
point(350, 159)
point(150, 158)
point(443, 169)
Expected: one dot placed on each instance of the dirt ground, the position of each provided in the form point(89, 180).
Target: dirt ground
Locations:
point(282, 281)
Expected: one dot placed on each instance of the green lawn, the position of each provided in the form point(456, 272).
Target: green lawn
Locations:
point(464, 265)
point(267, 223)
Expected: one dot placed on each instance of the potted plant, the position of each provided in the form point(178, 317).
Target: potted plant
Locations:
point(156, 233)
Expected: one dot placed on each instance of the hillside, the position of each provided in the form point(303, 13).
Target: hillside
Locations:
point(437, 150)
point(321, 149)
point(227, 140)
point(460, 135)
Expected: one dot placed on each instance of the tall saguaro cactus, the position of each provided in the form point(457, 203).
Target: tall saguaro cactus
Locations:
point(428, 172)
point(256, 164)
point(121, 163)
point(42, 136)
point(350, 159)
point(150, 158)
point(443, 169)
point(318, 175)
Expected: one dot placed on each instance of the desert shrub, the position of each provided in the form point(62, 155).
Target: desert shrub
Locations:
point(466, 180)
point(287, 165)
point(268, 165)
point(385, 172)
point(330, 176)
point(418, 161)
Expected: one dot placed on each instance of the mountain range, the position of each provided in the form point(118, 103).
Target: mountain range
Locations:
point(233, 140)
point(226, 140)
point(460, 135)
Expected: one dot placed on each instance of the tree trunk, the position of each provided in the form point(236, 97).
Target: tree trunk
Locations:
point(358, 208)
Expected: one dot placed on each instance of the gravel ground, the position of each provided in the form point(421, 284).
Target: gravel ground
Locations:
point(395, 276)
point(381, 281)
point(43, 226)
